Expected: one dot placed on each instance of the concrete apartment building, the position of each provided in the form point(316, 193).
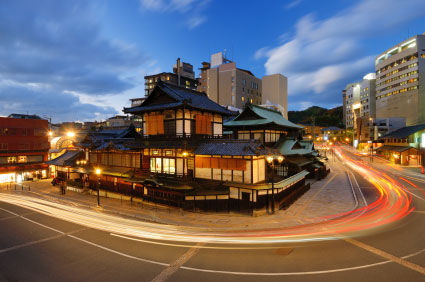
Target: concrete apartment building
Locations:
point(368, 96)
point(352, 104)
point(229, 85)
point(400, 91)
point(275, 91)
point(182, 75)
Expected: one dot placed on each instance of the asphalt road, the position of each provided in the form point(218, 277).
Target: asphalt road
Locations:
point(37, 247)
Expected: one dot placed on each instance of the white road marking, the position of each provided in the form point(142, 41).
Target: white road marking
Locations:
point(231, 272)
point(174, 266)
point(386, 255)
point(39, 241)
point(199, 246)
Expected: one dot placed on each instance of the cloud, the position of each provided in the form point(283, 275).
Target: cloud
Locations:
point(60, 106)
point(192, 8)
point(292, 4)
point(50, 49)
point(324, 55)
point(196, 21)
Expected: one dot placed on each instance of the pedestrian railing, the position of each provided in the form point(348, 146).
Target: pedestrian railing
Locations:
point(12, 186)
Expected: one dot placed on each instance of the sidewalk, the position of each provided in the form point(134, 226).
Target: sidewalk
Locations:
point(330, 196)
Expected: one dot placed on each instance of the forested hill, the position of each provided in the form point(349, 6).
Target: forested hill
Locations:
point(323, 117)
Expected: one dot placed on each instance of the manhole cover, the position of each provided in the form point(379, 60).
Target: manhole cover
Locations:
point(284, 251)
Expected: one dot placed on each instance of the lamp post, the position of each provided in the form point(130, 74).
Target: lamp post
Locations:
point(270, 160)
point(98, 172)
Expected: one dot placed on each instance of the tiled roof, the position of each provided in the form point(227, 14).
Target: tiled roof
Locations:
point(191, 98)
point(405, 131)
point(67, 159)
point(286, 147)
point(230, 148)
point(267, 116)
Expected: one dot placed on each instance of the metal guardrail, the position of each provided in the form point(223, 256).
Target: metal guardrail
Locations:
point(12, 186)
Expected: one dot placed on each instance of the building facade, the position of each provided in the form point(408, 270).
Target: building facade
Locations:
point(274, 89)
point(352, 104)
point(400, 91)
point(24, 148)
point(181, 158)
point(182, 75)
point(228, 85)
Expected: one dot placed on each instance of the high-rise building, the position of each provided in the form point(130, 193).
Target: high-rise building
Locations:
point(400, 91)
point(274, 91)
point(228, 85)
point(352, 104)
point(182, 75)
point(368, 96)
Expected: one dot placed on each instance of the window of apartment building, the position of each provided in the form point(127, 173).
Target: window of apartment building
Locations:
point(233, 79)
point(244, 82)
point(12, 131)
point(24, 132)
point(3, 146)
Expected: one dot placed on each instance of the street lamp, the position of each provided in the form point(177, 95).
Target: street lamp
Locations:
point(70, 134)
point(270, 160)
point(98, 173)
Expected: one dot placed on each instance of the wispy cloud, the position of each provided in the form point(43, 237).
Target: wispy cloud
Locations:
point(194, 9)
point(292, 4)
point(323, 55)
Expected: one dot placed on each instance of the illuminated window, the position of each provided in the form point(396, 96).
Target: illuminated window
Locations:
point(22, 159)
point(169, 166)
point(11, 160)
point(156, 165)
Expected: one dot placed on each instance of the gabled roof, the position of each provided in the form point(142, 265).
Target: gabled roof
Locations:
point(405, 131)
point(291, 146)
point(264, 116)
point(179, 96)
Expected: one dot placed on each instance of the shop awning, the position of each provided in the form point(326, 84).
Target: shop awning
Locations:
point(394, 148)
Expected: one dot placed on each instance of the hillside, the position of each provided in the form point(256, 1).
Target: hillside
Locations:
point(324, 117)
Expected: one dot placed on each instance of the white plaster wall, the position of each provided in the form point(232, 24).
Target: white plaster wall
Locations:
point(247, 178)
point(237, 176)
point(216, 174)
point(203, 173)
point(227, 175)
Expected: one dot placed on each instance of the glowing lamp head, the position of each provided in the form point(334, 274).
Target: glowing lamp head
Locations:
point(50, 133)
point(98, 171)
point(70, 134)
point(280, 159)
point(184, 154)
point(269, 159)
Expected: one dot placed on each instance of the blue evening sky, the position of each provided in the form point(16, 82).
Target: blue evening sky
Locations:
point(82, 60)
